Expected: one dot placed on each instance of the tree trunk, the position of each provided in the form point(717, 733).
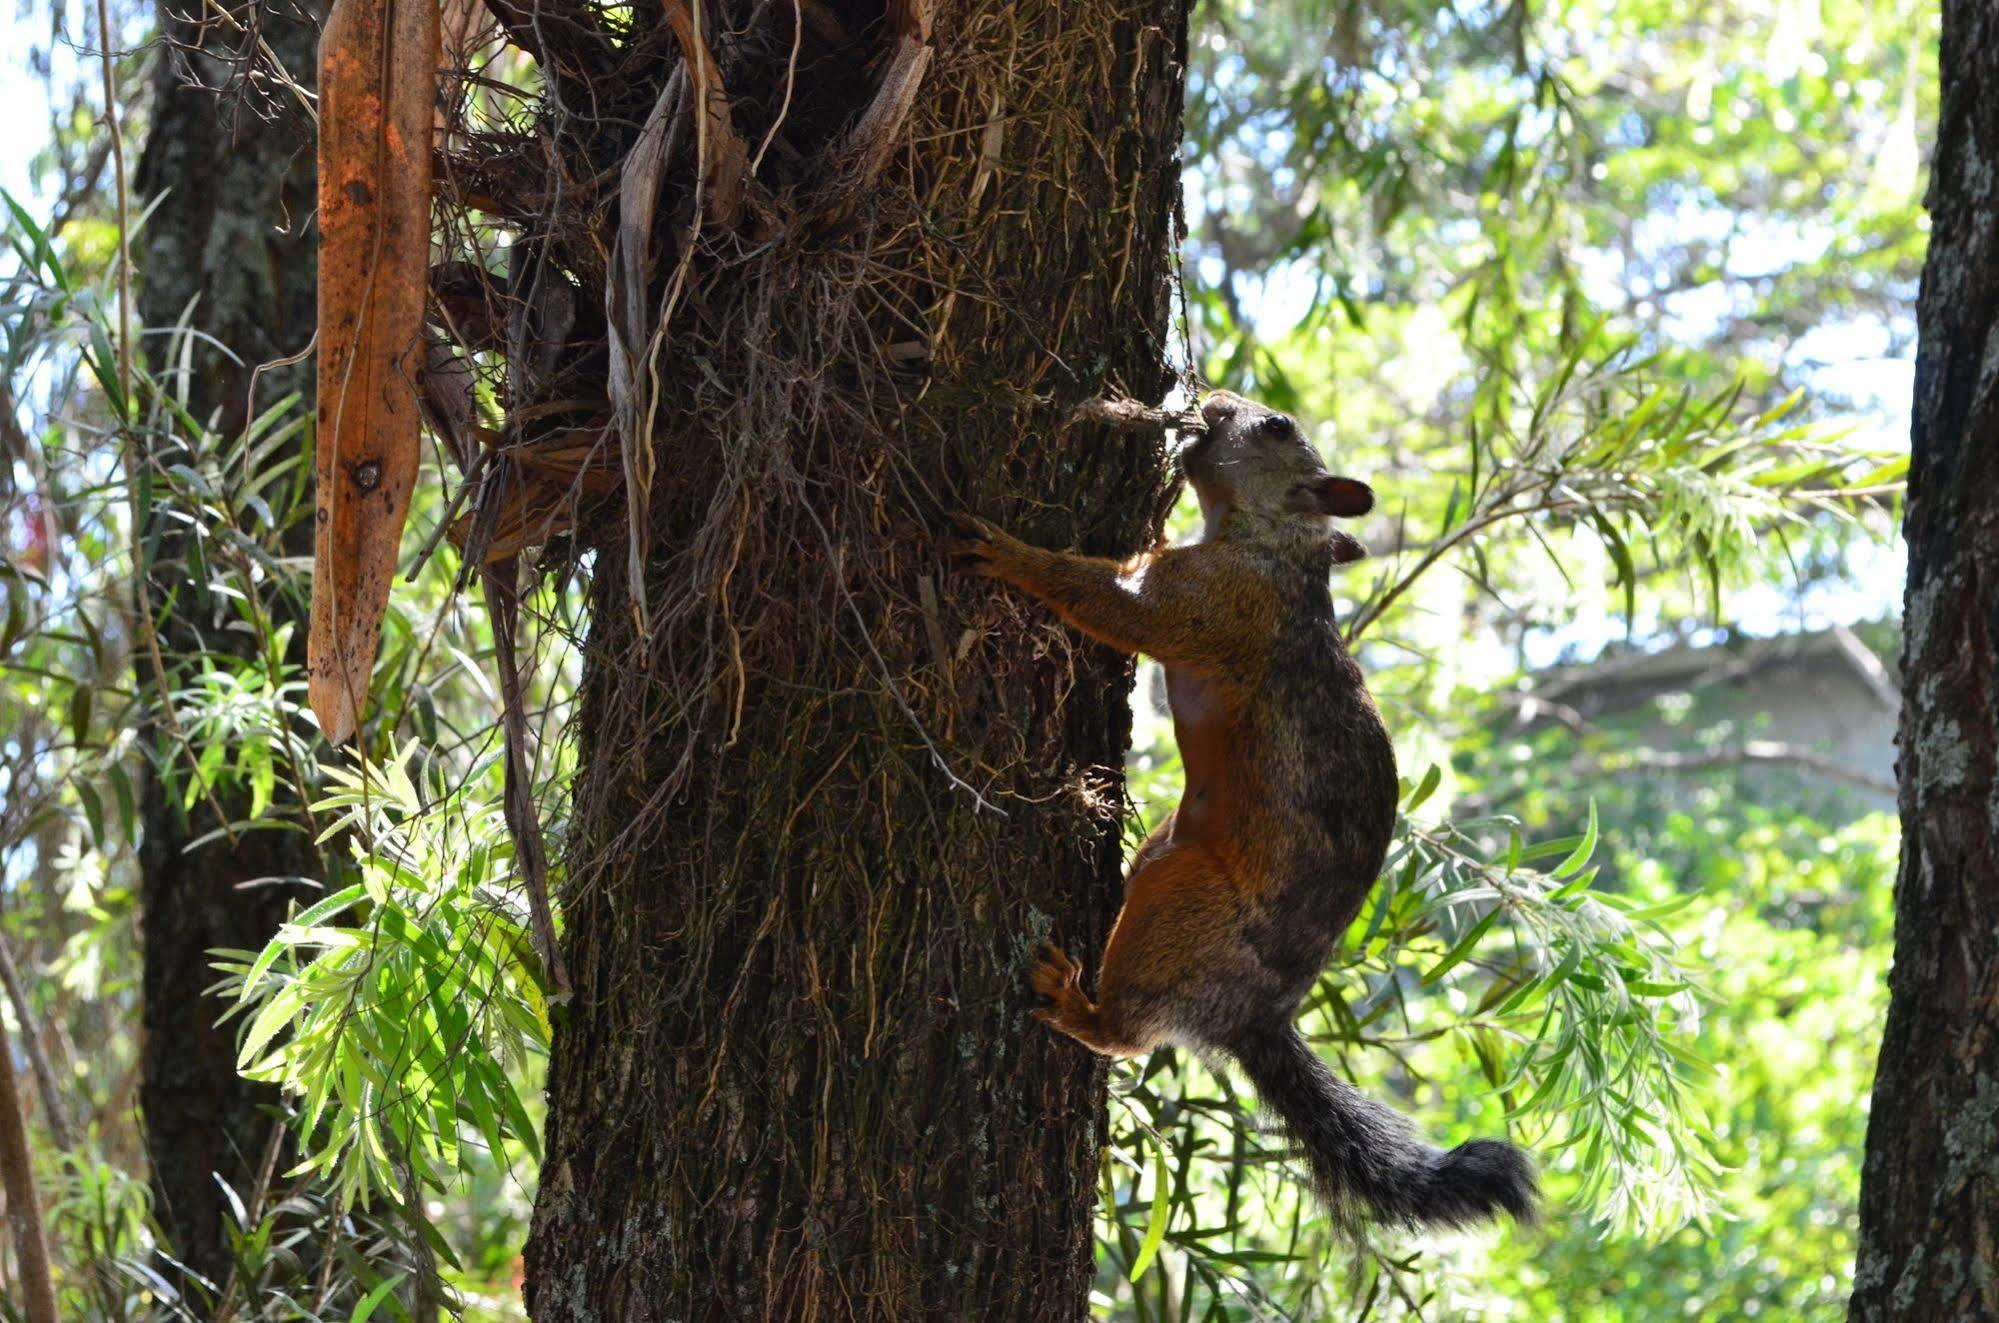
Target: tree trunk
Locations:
point(1929, 1205)
point(228, 248)
point(831, 799)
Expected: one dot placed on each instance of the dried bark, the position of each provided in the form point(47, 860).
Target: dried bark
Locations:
point(227, 247)
point(798, 1079)
point(378, 90)
point(1929, 1206)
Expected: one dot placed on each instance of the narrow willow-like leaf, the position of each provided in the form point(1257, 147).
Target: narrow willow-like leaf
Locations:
point(1155, 1227)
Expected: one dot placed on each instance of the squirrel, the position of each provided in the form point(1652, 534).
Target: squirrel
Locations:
point(1235, 903)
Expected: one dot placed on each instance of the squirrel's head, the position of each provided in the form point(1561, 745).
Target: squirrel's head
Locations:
point(1255, 464)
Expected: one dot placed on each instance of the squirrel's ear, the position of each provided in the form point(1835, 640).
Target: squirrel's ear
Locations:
point(1347, 548)
point(1343, 497)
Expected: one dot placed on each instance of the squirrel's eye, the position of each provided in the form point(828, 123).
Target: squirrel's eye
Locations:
point(1276, 424)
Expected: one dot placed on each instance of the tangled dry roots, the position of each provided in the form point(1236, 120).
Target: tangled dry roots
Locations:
point(784, 282)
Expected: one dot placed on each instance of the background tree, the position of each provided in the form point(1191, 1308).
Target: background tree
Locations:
point(226, 277)
point(1928, 1205)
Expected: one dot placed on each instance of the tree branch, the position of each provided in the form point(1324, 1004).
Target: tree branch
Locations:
point(1755, 751)
point(38, 1060)
point(24, 1207)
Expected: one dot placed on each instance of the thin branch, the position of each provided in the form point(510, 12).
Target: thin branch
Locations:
point(530, 853)
point(1755, 751)
point(24, 1207)
point(567, 42)
point(790, 78)
point(1127, 415)
point(1373, 610)
point(31, 1043)
point(1872, 673)
point(124, 205)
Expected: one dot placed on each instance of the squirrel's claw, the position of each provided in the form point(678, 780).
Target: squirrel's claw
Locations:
point(972, 550)
point(1056, 975)
point(971, 526)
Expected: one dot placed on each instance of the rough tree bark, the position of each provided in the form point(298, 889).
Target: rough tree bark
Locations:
point(227, 247)
point(798, 1079)
point(1929, 1204)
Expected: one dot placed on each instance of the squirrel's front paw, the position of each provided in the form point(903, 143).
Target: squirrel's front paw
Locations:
point(979, 548)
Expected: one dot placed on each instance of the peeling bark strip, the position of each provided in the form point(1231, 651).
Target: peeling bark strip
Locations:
point(1929, 1202)
point(723, 159)
point(868, 147)
point(378, 74)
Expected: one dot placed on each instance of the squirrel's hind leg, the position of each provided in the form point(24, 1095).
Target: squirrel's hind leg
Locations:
point(1179, 960)
point(1177, 967)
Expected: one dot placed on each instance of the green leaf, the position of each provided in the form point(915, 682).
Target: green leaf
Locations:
point(1461, 950)
point(93, 809)
point(366, 1308)
point(103, 363)
point(1584, 848)
point(79, 713)
point(277, 1013)
point(1895, 470)
point(286, 936)
point(1155, 1227)
point(121, 787)
point(1432, 777)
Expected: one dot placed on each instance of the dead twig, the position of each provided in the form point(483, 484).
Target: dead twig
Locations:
point(1125, 415)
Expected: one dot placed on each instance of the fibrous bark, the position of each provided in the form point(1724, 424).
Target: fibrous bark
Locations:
point(1929, 1207)
point(229, 157)
point(831, 801)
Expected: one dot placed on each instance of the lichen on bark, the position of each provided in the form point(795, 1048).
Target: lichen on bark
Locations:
point(1930, 1187)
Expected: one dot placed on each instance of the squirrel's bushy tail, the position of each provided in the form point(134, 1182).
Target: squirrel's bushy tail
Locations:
point(1364, 1156)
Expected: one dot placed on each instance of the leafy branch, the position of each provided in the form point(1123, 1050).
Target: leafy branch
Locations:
point(401, 1009)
